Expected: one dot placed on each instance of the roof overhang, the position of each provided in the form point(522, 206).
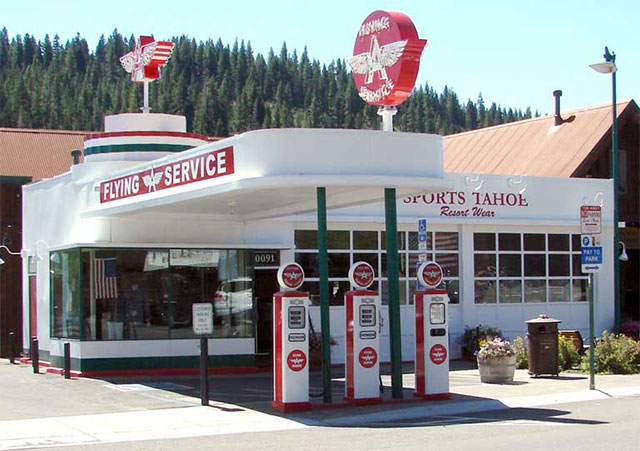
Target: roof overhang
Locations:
point(269, 197)
point(277, 172)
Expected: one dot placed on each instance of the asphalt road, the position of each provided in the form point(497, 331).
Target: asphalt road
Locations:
point(610, 424)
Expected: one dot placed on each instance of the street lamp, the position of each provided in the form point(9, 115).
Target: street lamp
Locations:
point(609, 67)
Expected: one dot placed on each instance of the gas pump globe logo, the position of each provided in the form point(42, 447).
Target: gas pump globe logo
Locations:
point(430, 274)
point(386, 58)
point(291, 276)
point(361, 275)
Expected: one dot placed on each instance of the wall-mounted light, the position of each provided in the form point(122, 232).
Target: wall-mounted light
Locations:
point(623, 257)
point(475, 181)
point(517, 181)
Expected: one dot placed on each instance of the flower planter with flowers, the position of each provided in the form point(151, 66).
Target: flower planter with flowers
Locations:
point(496, 360)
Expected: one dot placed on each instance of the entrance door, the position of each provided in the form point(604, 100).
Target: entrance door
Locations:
point(266, 285)
point(33, 309)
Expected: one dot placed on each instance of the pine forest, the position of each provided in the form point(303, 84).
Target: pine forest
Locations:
point(222, 89)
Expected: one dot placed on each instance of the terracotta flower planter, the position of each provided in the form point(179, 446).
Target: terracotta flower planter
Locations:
point(497, 370)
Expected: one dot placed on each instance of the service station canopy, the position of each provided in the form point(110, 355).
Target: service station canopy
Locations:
point(272, 173)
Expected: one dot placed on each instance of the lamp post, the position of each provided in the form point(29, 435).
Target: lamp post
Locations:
point(609, 67)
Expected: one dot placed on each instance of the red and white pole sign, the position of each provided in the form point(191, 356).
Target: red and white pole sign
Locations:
point(590, 219)
point(362, 309)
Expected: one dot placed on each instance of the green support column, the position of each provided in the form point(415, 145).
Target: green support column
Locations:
point(323, 267)
point(393, 285)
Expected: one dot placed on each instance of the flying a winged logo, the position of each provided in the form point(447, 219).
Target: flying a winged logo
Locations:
point(144, 62)
point(386, 58)
point(377, 59)
point(152, 179)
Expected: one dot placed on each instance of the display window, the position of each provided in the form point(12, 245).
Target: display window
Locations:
point(346, 247)
point(513, 268)
point(147, 294)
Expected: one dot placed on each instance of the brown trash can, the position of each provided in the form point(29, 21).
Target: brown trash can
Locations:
point(542, 343)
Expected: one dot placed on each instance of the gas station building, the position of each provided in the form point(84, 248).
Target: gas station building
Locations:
point(156, 219)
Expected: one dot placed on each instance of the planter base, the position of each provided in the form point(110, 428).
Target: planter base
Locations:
point(497, 371)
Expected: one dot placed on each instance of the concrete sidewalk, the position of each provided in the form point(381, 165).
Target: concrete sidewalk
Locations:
point(42, 410)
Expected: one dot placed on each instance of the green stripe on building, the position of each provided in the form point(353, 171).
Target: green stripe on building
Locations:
point(116, 148)
point(153, 363)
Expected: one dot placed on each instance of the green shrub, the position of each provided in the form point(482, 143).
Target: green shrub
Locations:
point(471, 337)
point(568, 356)
point(522, 357)
point(614, 354)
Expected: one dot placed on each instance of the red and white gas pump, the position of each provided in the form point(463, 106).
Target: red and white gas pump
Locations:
point(290, 342)
point(362, 309)
point(432, 335)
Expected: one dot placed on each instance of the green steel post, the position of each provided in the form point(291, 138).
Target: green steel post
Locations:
point(394, 295)
point(592, 370)
point(323, 267)
point(616, 232)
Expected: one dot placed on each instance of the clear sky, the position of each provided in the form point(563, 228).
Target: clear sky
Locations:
point(515, 52)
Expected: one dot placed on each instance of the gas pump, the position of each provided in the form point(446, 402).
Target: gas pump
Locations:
point(432, 335)
point(362, 309)
point(290, 342)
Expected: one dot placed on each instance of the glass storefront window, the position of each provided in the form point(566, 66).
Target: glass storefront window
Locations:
point(413, 241)
point(510, 265)
point(370, 246)
point(558, 242)
point(510, 291)
point(535, 291)
point(559, 290)
point(147, 294)
point(534, 265)
point(365, 239)
point(65, 294)
point(485, 291)
point(446, 241)
point(580, 288)
point(484, 241)
point(534, 242)
point(306, 239)
point(509, 241)
point(485, 265)
point(559, 265)
point(543, 269)
point(338, 239)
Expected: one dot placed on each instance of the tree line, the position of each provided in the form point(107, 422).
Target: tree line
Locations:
point(222, 89)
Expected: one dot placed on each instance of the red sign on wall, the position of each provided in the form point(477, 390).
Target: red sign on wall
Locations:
point(438, 354)
point(216, 163)
point(386, 58)
point(296, 360)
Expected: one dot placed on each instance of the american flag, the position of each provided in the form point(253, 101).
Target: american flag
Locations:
point(105, 278)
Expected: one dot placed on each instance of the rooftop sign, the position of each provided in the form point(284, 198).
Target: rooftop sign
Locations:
point(386, 58)
point(145, 61)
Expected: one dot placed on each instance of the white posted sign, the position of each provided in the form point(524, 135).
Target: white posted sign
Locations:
point(590, 219)
point(203, 319)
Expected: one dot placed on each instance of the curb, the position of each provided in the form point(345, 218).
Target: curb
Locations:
point(463, 407)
